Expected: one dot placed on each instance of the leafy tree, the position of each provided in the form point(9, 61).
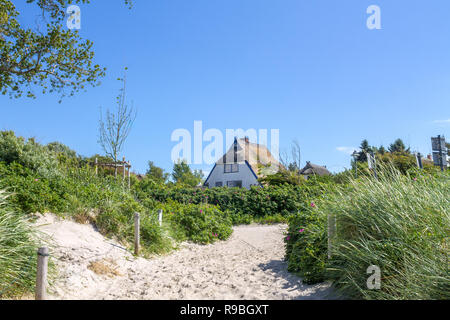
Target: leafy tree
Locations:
point(55, 59)
point(115, 130)
point(398, 146)
point(156, 173)
point(381, 150)
point(182, 174)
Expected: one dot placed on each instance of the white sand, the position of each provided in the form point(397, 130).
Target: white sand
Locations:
point(247, 266)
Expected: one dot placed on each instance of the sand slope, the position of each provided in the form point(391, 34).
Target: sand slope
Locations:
point(247, 266)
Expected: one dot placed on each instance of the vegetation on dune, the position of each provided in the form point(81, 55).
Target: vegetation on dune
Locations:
point(17, 252)
point(399, 223)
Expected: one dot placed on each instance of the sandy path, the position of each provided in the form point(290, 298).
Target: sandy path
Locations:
point(247, 266)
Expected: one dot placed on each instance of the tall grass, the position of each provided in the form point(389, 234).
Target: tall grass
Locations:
point(398, 223)
point(17, 252)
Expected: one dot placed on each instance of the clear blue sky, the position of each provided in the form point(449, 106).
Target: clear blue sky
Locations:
point(309, 68)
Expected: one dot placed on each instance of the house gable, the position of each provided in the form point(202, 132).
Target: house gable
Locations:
point(244, 177)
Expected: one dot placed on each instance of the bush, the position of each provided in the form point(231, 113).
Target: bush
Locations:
point(198, 223)
point(306, 245)
point(28, 153)
point(257, 202)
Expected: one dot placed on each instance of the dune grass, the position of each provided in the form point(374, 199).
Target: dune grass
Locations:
point(17, 252)
point(400, 223)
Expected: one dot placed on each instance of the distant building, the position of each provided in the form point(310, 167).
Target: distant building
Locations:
point(313, 169)
point(242, 165)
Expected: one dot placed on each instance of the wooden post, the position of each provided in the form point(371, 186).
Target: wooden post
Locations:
point(129, 178)
point(136, 233)
point(41, 276)
point(160, 213)
point(96, 166)
point(123, 168)
point(331, 233)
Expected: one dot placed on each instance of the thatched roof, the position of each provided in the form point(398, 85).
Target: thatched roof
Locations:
point(261, 161)
point(311, 169)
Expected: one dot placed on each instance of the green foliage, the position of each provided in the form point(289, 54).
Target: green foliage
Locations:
point(306, 245)
point(17, 252)
point(61, 149)
point(182, 174)
point(399, 222)
point(28, 153)
point(199, 223)
point(257, 202)
point(157, 174)
point(398, 147)
point(401, 161)
point(117, 220)
point(55, 58)
point(282, 177)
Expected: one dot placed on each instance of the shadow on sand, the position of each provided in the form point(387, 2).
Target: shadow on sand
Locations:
point(321, 291)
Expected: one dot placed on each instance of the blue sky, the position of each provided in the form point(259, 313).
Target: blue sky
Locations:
point(311, 69)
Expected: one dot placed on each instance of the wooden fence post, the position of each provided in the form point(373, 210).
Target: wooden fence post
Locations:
point(160, 214)
point(331, 233)
point(41, 276)
point(123, 168)
point(136, 233)
point(129, 177)
point(96, 166)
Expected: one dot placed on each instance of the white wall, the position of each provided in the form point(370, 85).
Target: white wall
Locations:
point(245, 175)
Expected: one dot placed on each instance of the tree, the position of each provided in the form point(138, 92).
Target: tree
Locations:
point(381, 150)
point(53, 59)
point(365, 148)
point(398, 146)
point(182, 174)
point(156, 173)
point(117, 126)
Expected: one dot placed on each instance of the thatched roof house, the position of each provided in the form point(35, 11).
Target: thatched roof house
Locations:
point(314, 169)
point(242, 165)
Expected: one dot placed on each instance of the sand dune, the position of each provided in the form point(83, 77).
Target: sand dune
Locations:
point(247, 266)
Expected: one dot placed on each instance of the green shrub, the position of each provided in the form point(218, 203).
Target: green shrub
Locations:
point(306, 245)
point(198, 223)
point(28, 153)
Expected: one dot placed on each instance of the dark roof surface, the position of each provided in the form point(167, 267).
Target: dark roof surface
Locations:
point(311, 168)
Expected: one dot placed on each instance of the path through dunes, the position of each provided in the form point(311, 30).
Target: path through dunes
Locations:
point(247, 266)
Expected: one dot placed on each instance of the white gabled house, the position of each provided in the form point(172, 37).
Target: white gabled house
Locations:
point(242, 165)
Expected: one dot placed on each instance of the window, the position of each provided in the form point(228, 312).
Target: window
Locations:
point(219, 184)
point(231, 168)
point(234, 184)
